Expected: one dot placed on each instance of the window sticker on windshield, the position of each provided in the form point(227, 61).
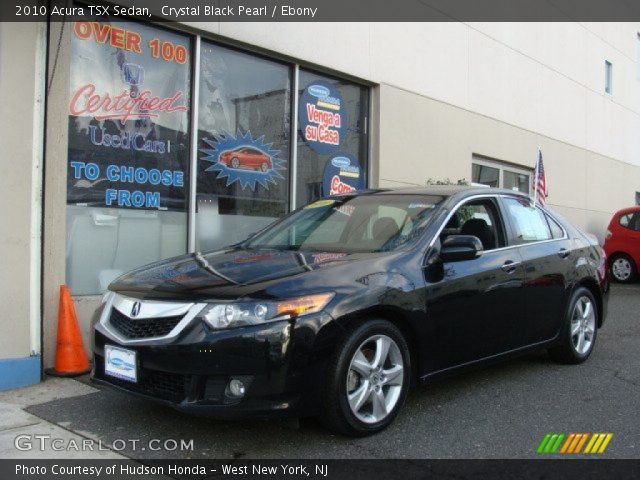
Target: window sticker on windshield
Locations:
point(420, 205)
point(320, 203)
point(345, 209)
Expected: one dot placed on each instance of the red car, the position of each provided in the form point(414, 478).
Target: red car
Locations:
point(622, 244)
point(246, 158)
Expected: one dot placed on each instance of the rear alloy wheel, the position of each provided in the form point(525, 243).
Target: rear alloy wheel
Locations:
point(580, 331)
point(623, 268)
point(367, 379)
point(583, 325)
point(264, 167)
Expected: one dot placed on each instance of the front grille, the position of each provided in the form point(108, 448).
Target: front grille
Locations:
point(141, 328)
point(155, 383)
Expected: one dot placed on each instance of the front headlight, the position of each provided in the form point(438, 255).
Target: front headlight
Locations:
point(238, 314)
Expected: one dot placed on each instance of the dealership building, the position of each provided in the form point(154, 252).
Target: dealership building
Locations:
point(127, 142)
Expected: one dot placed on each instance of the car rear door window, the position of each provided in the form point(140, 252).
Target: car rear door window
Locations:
point(528, 221)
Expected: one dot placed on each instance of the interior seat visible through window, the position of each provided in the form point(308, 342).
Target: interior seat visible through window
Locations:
point(384, 229)
point(480, 219)
point(481, 229)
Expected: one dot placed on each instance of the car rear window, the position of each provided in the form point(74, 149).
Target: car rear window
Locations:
point(630, 221)
point(625, 219)
point(556, 229)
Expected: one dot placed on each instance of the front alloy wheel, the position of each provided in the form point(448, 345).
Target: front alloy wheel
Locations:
point(375, 378)
point(367, 379)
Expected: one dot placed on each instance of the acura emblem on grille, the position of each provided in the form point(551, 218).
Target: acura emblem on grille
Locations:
point(135, 309)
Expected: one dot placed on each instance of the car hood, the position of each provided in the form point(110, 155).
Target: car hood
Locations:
point(237, 273)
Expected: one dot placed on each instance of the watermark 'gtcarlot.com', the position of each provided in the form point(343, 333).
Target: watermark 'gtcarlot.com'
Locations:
point(46, 442)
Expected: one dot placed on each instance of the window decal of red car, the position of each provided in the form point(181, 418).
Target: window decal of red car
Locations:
point(244, 159)
point(248, 158)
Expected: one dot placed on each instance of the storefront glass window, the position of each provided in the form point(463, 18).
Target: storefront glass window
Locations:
point(332, 151)
point(485, 175)
point(516, 181)
point(128, 150)
point(499, 175)
point(244, 116)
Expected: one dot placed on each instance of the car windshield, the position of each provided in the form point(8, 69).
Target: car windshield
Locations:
point(361, 223)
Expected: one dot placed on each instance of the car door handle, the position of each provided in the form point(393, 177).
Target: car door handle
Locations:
point(510, 266)
point(564, 253)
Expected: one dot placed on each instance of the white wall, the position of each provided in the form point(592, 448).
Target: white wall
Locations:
point(543, 77)
point(21, 124)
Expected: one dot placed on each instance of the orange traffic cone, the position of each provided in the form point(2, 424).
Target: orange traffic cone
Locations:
point(71, 359)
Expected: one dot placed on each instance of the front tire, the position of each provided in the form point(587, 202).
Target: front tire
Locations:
point(623, 268)
point(367, 380)
point(580, 329)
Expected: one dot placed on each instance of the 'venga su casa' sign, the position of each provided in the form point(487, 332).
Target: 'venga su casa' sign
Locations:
point(322, 117)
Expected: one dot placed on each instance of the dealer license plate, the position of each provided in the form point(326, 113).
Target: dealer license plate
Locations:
point(120, 363)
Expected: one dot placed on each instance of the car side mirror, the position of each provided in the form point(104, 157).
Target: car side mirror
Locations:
point(457, 248)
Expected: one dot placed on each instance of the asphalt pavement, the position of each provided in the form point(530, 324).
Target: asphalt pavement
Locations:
point(502, 411)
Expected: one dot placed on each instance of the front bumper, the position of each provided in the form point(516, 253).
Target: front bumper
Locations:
point(280, 364)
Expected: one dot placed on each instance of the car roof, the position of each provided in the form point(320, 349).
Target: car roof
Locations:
point(443, 190)
point(628, 210)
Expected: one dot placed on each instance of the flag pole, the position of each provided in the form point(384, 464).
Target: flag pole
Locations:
point(535, 178)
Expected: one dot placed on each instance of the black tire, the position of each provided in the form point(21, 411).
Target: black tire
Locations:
point(632, 266)
point(264, 167)
point(567, 351)
point(336, 413)
point(235, 163)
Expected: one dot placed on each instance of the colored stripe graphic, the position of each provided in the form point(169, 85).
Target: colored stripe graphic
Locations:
point(543, 443)
point(598, 443)
point(605, 443)
point(550, 443)
point(565, 447)
point(583, 439)
point(553, 443)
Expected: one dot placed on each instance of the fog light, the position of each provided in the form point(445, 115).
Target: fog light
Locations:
point(237, 388)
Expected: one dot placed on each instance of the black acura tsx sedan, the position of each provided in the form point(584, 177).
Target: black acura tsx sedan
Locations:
point(337, 309)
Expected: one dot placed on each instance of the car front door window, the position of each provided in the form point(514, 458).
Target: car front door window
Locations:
point(480, 219)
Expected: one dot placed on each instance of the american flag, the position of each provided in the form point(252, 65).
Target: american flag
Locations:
point(540, 182)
